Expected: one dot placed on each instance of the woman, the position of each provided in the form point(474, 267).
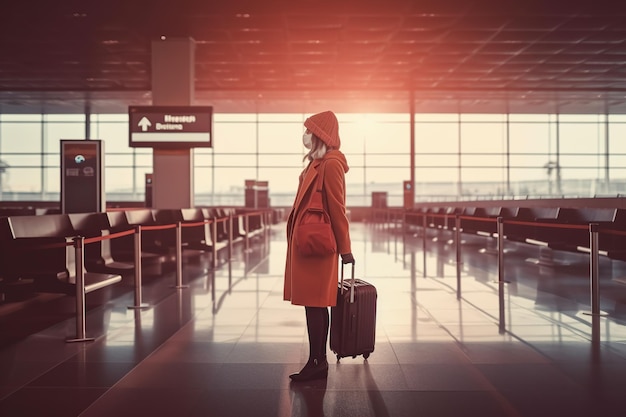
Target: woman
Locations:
point(312, 281)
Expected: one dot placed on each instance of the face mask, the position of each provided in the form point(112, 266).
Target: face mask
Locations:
point(307, 140)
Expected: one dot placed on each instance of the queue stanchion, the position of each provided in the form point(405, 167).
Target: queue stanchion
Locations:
point(404, 231)
point(387, 220)
point(266, 226)
point(138, 271)
point(247, 226)
point(179, 257)
point(457, 245)
point(386, 232)
point(395, 235)
point(214, 233)
point(268, 230)
point(230, 237)
point(230, 250)
point(79, 253)
point(501, 281)
point(424, 235)
point(594, 271)
point(263, 218)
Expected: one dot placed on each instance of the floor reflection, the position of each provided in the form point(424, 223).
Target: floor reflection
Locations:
point(446, 345)
point(308, 398)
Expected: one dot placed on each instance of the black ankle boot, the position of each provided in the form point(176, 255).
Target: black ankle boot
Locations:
point(314, 369)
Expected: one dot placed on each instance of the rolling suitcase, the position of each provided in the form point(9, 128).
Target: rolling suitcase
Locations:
point(353, 319)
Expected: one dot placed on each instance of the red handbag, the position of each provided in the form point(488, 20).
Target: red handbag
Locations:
point(314, 234)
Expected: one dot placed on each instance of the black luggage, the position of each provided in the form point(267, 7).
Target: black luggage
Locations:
point(353, 319)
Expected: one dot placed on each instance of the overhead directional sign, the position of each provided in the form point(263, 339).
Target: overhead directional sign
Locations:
point(158, 126)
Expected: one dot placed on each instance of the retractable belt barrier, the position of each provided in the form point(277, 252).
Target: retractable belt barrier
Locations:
point(79, 242)
point(595, 229)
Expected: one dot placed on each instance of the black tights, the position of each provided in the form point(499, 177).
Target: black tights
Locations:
point(317, 322)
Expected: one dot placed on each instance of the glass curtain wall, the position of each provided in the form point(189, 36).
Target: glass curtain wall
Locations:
point(615, 173)
point(458, 156)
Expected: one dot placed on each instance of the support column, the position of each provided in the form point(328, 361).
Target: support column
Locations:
point(173, 79)
point(412, 148)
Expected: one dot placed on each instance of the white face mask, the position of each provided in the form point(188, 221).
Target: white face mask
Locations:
point(307, 140)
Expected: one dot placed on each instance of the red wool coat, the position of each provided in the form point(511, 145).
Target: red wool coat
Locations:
point(312, 281)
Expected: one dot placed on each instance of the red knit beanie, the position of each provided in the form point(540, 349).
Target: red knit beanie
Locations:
point(326, 127)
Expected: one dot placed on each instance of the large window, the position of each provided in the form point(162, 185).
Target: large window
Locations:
point(125, 167)
point(532, 155)
point(616, 152)
point(436, 156)
point(581, 154)
point(483, 148)
point(456, 156)
point(280, 154)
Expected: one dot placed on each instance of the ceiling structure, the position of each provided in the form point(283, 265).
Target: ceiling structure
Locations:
point(302, 55)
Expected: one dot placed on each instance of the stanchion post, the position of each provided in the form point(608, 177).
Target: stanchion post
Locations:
point(247, 227)
point(395, 235)
point(214, 233)
point(79, 257)
point(404, 231)
point(263, 217)
point(387, 220)
point(501, 281)
point(230, 237)
point(179, 257)
point(403, 225)
point(387, 229)
point(594, 270)
point(457, 245)
point(424, 234)
point(138, 272)
point(267, 226)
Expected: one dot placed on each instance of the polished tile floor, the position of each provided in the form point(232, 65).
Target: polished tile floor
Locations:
point(226, 345)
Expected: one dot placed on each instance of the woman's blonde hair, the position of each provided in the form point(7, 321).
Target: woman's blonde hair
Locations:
point(318, 149)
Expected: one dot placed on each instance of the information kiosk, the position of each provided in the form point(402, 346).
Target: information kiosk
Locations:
point(82, 179)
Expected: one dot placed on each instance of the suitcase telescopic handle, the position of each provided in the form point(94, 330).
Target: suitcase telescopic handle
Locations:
point(351, 286)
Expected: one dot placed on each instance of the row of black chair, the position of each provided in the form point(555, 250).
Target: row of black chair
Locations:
point(40, 248)
point(558, 228)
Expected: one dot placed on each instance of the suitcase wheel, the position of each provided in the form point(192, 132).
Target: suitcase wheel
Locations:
point(365, 356)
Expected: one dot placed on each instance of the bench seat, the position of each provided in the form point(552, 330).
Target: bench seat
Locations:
point(98, 257)
point(39, 248)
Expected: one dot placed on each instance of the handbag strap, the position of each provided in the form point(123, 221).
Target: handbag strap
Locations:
point(316, 199)
point(320, 177)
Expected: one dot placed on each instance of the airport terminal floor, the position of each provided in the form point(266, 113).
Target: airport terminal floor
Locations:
point(226, 345)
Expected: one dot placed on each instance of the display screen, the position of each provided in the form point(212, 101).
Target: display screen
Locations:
point(170, 127)
point(79, 158)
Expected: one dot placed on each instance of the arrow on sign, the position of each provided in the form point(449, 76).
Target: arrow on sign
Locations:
point(144, 123)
